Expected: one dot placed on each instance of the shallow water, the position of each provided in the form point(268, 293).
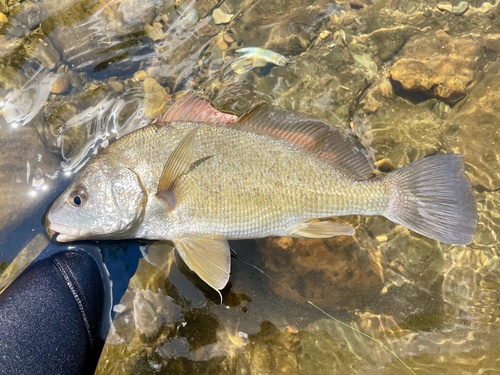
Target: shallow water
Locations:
point(409, 78)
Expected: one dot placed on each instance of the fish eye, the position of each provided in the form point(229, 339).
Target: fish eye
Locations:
point(77, 197)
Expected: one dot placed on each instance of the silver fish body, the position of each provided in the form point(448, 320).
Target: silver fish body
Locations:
point(200, 184)
point(244, 185)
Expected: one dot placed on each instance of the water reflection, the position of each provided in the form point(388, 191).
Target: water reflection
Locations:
point(21, 106)
point(379, 73)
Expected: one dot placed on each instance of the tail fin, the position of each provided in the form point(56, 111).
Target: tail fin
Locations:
point(433, 197)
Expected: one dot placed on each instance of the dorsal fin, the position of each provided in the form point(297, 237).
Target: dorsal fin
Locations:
point(192, 107)
point(327, 142)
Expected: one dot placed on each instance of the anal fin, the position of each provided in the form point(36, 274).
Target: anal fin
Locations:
point(207, 256)
point(322, 229)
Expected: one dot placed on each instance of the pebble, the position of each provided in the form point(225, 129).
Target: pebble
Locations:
point(292, 328)
point(459, 9)
point(324, 34)
point(60, 85)
point(154, 98)
point(228, 37)
point(386, 89)
point(356, 4)
point(140, 75)
point(3, 18)
point(492, 42)
point(485, 7)
point(221, 18)
point(339, 37)
point(117, 86)
point(221, 43)
point(154, 33)
point(448, 7)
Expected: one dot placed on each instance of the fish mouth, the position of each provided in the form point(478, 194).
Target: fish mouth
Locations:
point(65, 233)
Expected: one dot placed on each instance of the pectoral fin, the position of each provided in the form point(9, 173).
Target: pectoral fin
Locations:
point(322, 229)
point(177, 164)
point(207, 256)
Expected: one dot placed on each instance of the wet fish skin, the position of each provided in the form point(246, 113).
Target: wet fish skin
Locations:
point(200, 184)
point(216, 188)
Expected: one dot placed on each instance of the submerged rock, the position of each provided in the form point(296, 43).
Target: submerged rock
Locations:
point(22, 260)
point(471, 286)
point(472, 130)
point(334, 78)
point(335, 273)
point(145, 316)
point(155, 98)
point(403, 132)
point(438, 66)
point(94, 38)
point(27, 171)
point(222, 18)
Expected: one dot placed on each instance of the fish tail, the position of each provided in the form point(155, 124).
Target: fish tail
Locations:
point(433, 197)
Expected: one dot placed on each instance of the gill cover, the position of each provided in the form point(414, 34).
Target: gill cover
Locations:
point(102, 203)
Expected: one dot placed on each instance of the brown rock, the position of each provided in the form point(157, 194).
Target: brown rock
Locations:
point(333, 273)
point(440, 66)
point(140, 75)
point(154, 99)
point(60, 85)
point(472, 130)
point(492, 42)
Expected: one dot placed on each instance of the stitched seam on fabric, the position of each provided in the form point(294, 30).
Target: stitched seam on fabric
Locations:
point(76, 291)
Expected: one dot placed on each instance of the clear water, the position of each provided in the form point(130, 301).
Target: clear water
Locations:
point(409, 78)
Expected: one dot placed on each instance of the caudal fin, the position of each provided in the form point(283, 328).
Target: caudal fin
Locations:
point(433, 197)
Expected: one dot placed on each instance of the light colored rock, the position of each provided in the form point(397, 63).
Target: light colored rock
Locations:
point(140, 75)
point(154, 99)
point(448, 7)
point(221, 18)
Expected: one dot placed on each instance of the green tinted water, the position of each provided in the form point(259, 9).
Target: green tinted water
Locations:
point(409, 78)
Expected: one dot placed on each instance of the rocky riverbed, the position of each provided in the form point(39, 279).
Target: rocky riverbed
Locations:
point(408, 78)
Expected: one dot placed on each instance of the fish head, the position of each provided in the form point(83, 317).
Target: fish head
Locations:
point(102, 203)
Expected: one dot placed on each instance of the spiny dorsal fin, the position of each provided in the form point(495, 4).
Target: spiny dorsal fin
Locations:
point(208, 256)
point(177, 164)
point(327, 142)
point(192, 107)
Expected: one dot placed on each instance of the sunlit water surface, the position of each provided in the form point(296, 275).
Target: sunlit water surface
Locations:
point(409, 78)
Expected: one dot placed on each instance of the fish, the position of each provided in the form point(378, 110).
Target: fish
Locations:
point(272, 172)
point(256, 57)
